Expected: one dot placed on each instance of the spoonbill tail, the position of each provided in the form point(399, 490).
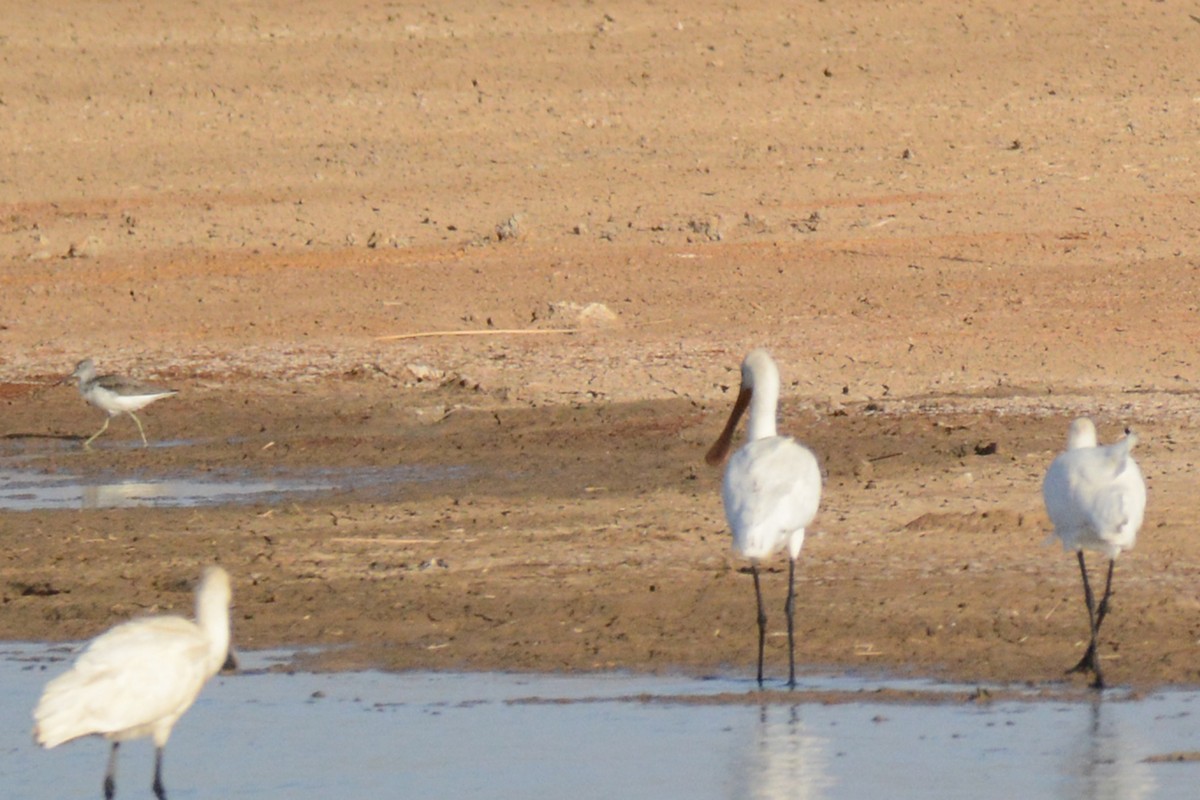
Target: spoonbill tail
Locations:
point(115, 395)
point(771, 490)
point(1096, 498)
point(138, 679)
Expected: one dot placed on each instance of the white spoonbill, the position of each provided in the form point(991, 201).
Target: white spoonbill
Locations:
point(138, 679)
point(115, 394)
point(1096, 498)
point(771, 490)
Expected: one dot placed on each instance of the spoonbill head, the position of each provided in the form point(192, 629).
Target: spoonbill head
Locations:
point(760, 386)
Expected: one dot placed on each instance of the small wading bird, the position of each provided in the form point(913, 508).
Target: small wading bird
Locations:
point(1096, 498)
point(139, 678)
point(115, 395)
point(771, 490)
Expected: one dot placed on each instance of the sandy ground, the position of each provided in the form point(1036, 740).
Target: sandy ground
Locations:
point(955, 227)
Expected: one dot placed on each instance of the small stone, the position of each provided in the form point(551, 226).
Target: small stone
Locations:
point(597, 315)
point(509, 229)
point(88, 248)
point(424, 372)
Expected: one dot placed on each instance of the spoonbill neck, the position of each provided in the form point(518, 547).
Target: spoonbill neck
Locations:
point(212, 614)
point(1082, 433)
point(764, 401)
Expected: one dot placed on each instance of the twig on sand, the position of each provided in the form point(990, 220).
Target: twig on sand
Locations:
point(1051, 611)
point(491, 332)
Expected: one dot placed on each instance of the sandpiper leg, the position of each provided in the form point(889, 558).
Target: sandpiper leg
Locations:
point(110, 774)
point(762, 622)
point(141, 430)
point(88, 444)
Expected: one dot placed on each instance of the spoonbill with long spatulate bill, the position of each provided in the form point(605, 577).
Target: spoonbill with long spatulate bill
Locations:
point(771, 489)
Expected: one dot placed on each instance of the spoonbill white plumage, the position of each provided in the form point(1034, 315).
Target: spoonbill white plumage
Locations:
point(771, 489)
point(1096, 498)
point(115, 394)
point(138, 679)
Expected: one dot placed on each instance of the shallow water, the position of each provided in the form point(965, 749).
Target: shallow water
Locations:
point(371, 734)
point(28, 490)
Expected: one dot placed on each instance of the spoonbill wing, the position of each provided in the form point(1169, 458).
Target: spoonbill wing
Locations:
point(772, 489)
point(128, 680)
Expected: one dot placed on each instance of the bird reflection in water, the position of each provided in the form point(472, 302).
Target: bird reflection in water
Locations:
point(784, 760)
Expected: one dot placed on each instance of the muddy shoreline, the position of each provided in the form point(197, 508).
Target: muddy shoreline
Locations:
point(570, 544)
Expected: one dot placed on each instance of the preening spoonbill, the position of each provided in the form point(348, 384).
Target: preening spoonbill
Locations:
point(771, 490)
point(1096, 498)
point(115, 395)
point(138, 679)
